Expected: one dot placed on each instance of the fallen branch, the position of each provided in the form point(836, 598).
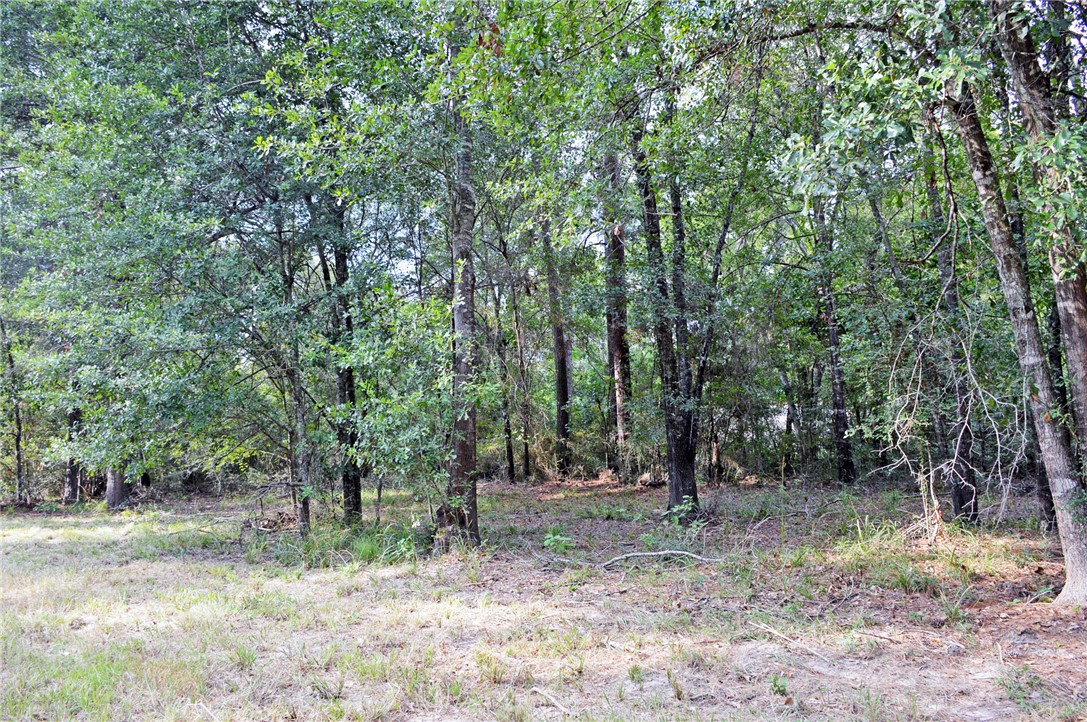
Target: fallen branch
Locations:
point(665, 553)
point(554, 702)
point(877, 636)
point(790, 640)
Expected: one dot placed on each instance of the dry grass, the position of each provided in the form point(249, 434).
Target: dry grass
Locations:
point(821, 607)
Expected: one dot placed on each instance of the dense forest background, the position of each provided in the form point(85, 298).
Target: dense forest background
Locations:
point(331, 244)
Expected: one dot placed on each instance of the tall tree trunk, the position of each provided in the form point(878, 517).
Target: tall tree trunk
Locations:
point(1056, 372)
point(847, 471)
point(12, 378)
point(73, 470)
point(616, 317)
point(1053, 357)
point(525, 410)
point(680, 436)
point(118, 489)
point(1052, 442)
point(502, 351)
point(507, 437)
point(561, 353)
point(301, 457)
point(459, 514)
point(524, 406)
point(684, 492)
point(346, 433)
point(1032, 87)
point(336, 281)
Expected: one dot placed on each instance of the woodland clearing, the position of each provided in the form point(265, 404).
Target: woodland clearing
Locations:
point(808, 610)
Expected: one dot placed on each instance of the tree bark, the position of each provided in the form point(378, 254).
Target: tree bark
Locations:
point(336, 281)
point(1069, 276)
point(524, 406)
point(301, 458)
point(1046, 511)
point(118, 489)
point(502, 351)
point(12, 378)
point(346, 433)
point(561, 354)
point(616, 318)
point(679, 418)
point(73, 473)
point(1056, 372)
point(459, 514)
point(525, 410)
point(847, 471)
point(1052, 442)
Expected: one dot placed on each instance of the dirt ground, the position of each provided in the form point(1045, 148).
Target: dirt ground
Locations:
point(801, 603)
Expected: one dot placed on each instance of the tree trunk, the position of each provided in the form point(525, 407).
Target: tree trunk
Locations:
point(1047, 514)
point(522, 373)
point(524, 408)
point(459, 514)
point(301, 461)
point(616, 319)
point(118, 489)
point(501, 350)
point(561, 353)
point(1056, 372)
point(346, 433)
point(72, 475)
point(507, 437)
point(1069, 276)
point(12, 378)
point(73, 470)
point(847, 471)
point(1053, 358)
point(336, 282)
point(679, 418)
point(1052, 442)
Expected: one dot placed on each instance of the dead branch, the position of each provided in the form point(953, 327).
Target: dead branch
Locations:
point(664, 553)
point(554, 702)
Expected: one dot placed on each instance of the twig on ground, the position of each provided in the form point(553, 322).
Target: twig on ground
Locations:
point(564, 561)
point(664, 553)
point(204, 707)
point(877, 636)
point(790, 640)
point(554, 702)
point(941, 637)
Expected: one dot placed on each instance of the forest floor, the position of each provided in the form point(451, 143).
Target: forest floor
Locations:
point(812, 604)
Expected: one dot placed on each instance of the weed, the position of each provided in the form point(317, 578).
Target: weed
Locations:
point(327, 691)
point(335, 545)
point(871, 705)
point(912, 580)
point(779, 685)
point(557, 541)
point(892, 500)
point(953, 606)
point(677, 689)
point(1023, 686)
point(491, 668)
point(244, 658)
